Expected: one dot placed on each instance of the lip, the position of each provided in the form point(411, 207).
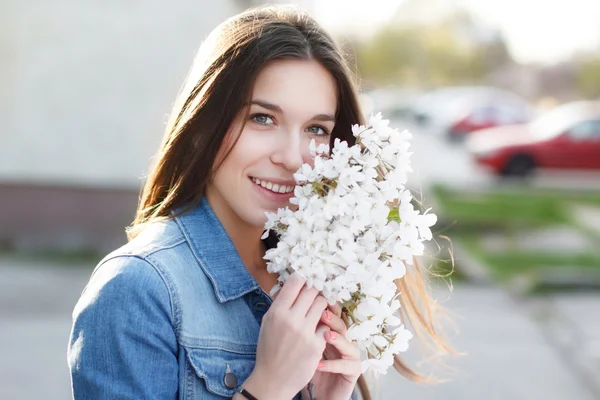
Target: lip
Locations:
point(281, 199)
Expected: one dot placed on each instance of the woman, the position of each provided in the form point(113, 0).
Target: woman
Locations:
point(182, 310)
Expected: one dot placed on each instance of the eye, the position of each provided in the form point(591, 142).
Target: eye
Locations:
point(318, 130)
point(262, 119)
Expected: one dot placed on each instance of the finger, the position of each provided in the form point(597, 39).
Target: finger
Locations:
point(336, 309)
point(304, 301)
point(320, 334)
point(351, 369)
point(347, 349)
point(334, 322)
point(289, 292)
point(313, 316)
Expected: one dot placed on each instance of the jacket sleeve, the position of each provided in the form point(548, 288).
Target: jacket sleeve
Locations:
point(123, 343)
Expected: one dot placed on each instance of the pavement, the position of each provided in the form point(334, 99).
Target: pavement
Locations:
point(508, 355)
point(36, 300)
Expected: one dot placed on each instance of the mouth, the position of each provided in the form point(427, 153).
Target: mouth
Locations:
point(273, 187)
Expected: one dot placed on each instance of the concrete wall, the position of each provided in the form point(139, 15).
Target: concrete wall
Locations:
point(86, 86)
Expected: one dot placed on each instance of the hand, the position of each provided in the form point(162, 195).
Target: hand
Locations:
point(338, 372)
point(290, 342)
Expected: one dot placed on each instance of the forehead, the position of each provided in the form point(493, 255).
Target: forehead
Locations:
point(302, 86)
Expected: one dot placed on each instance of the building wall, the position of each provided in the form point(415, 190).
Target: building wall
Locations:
point(50, 218)
point(86, 86)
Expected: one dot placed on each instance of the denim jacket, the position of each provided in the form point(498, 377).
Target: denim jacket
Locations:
point(167, 316)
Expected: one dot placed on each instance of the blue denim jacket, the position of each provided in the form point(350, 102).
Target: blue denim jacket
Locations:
point(167, 316)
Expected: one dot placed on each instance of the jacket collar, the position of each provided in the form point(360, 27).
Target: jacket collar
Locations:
point(215, 252)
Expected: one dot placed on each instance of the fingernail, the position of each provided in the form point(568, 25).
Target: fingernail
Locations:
point(328, 314)
point(332, 335)
point(321, 364)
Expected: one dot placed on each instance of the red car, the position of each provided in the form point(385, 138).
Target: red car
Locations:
point(565, 137)
point(481, 116)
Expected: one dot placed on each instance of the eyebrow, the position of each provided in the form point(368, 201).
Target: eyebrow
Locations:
point(276, 108)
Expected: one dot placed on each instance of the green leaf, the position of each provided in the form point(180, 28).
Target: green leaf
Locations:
point(394, 215)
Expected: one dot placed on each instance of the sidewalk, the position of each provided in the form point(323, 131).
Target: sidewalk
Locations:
point(571, 322)
point(508, 356)
point(36, 302)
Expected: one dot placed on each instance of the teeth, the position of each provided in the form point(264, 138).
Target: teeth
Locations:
point(274, 187)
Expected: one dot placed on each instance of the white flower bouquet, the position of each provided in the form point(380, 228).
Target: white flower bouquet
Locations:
point(353, 233)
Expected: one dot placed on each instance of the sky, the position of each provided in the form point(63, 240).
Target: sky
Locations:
point(542, 31)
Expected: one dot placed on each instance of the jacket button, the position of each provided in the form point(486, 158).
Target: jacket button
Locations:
point(230, 380)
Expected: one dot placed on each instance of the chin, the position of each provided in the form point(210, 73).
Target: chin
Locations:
point(258, 218)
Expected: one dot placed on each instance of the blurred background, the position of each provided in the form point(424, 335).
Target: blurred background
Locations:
point(502, 99)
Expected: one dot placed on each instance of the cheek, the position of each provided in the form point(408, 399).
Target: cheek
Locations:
point(249, 151)
point(307, 158)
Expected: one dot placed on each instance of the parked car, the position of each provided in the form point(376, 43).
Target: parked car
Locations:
point(567, 137)
point(487, 113)
point(428, 107)
point(456, 111)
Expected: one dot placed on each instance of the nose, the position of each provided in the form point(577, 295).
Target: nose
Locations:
point(288, 153)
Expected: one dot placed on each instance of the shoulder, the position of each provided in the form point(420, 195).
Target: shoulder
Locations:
point(150, 273)
point(121, 283)
point(137, 265)
point(155, 237)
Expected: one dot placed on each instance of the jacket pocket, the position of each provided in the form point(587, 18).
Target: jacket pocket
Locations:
point(212, 364)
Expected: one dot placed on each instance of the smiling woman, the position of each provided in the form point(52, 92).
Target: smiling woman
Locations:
point(293, 101)
point(182, 310)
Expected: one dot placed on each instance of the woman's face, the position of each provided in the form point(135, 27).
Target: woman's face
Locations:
point(293, 102)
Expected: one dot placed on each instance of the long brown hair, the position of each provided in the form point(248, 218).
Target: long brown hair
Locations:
point(216, 90)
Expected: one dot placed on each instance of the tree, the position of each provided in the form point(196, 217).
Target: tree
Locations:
point(446, 52)
point(588, 78)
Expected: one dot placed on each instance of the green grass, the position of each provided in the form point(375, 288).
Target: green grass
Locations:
point(509, 209)
point(591, 196)
point(507, 264)
point(467, 216)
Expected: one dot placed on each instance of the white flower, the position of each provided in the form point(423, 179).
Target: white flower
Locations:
point(323, 148)
point(401, 336)
point(354, 232)
point(379, 365)
point(362, 331)
point(424, 223)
